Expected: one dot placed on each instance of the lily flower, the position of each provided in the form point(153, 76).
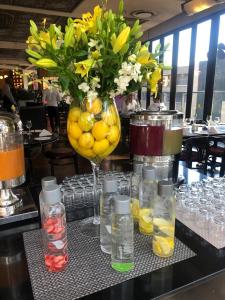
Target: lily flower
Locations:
point(83, 67)
point(121, 39)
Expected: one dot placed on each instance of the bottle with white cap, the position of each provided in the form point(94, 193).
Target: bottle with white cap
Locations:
point(147, 197)
point(122, 255)
point(106, 207)
point(45, 182)
point(54, 230)
point(164, 220)
point(134, 191)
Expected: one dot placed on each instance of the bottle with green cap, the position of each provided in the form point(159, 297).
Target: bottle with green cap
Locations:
point(122, 255)
point(54, 230)
point(147, 197)
point(164, 220)
point(45, 182)
point(134, 191)
point(106, 207)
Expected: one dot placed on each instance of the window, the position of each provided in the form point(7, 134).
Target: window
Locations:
point(182, 68)
point(154, 45)
point(201, 60)
point(218, 108)
point(167, 60)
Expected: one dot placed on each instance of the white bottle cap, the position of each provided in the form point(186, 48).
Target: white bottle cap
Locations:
point(148, 173)
point(47, 181)
point(52, 194)
point(137, 166)
point(110, 184)
point(122, 205)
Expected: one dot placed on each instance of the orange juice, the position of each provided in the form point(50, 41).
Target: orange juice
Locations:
point(12, 163)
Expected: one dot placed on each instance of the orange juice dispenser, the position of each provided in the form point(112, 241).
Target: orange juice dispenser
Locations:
point(12, 167)
point(156, 139)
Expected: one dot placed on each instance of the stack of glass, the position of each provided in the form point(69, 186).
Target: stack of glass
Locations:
point(78, 190)
point(203, 203)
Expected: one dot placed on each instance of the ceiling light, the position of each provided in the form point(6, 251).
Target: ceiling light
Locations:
point(195, 6)
point(142, 14)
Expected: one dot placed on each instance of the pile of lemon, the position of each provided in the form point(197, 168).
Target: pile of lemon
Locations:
point(94, 132)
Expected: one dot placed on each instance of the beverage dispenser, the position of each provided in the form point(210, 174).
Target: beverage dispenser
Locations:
point(12, 169)
point(156, 138)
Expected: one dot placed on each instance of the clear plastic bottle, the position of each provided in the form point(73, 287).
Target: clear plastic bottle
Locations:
point(122, 256)
point(54, 230)
point(147, 196)
point(134, 191)
point(106, 207)
point(164, 220)
point(45, 182)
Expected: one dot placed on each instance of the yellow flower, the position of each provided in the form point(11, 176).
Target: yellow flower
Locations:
point(32, 43)
point(45, 39)
point(46, 63)
point(121, 39)
point(95, 54)
point(83, 67)
point(144, 56)
point(154, 79)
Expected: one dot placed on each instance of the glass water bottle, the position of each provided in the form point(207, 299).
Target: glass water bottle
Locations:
point(135, 183)
point(147, 196)
point(164, 220)
point(122, 256)
point(106, 207)
point(54, 230)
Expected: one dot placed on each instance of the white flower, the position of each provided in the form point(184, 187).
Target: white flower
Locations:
point(84, 87)
point(95, 83)
point(91, 95)
point(132, 58)
point(92, 43)
point(140, 77)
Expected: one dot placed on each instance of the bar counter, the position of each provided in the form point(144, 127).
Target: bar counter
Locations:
point(164, 283)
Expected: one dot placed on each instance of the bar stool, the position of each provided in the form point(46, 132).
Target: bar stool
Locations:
point(216, 149)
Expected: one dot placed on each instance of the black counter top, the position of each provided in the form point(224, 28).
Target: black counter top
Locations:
point(15, 282)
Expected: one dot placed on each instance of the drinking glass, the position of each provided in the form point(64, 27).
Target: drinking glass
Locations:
point(29, 125)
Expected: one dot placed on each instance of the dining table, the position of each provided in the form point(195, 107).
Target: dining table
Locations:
point(207, 263)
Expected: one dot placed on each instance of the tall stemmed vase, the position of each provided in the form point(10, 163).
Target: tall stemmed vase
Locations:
point(93, 129)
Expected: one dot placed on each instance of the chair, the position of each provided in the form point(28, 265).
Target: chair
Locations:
point(36, 114)
point(215, 150)
point(194, 150)
point(61, 155)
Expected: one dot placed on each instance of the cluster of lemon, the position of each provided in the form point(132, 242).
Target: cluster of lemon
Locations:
point(163, 240)
point(95, 132)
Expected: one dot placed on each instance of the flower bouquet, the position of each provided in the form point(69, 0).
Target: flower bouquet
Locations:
point(95, 59)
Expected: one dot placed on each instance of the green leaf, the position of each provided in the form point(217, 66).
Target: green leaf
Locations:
point(135, 29)
point(121, 7)
point(138, 35)
point(124, 49)
point(69, 36)
point(64, 82)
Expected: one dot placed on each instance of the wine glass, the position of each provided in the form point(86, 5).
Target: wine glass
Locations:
point(29, 125)
point(217, 120)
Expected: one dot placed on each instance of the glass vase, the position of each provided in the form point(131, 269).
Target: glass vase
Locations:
point(93, 128)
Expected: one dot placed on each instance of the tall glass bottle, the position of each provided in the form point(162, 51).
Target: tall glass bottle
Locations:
point(54, 230)
point(135, 183)
point(147, 196)
point(45, 182)
point(164, 220)
point(122, 256)
point(106, 207)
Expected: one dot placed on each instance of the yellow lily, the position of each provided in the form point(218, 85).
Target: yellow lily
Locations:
point(46, 63)
point(121, 39)
point(32, 43)
point(95, 54)
point(45, 39)
point(154, 79)
point(144, 56)
point(83, 67)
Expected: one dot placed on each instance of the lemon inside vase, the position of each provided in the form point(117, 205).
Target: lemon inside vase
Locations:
point(93, 128)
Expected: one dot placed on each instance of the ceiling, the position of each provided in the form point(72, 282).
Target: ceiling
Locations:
point(15, 16)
